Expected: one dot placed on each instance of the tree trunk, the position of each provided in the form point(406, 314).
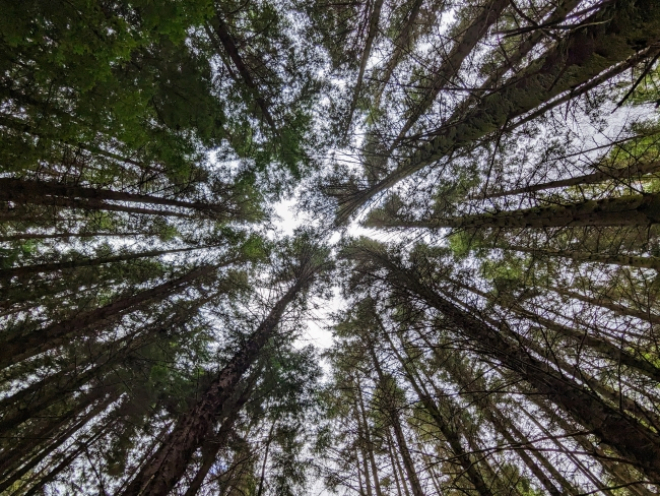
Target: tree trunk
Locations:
point(90, 262)
point(609, 36)
point(212, 446)
point(164, 468)
point(584, 257)
point(624, 211)
point(451, 65)
point(52, 445)
point(374, 19)
point(624, 174)
point(444, 425)
point(627, 436)
point(44, 193)
point(222, 31)
point(66, 236)
point(367, 437)
point(605, 302)
point(18, 348)
point(393, 416)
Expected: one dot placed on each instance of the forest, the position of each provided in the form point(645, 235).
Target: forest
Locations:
point(330, 247)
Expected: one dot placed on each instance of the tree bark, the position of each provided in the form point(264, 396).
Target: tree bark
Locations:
point(609, 36)
point(631, 439)
point(90, 262)
point(18, 348)
point(624, 211)
point(623, 174)
point(165, 467)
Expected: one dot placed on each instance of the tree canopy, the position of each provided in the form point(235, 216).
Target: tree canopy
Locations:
point(371, 248)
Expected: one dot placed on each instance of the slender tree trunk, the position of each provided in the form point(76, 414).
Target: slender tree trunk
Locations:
point(393, 416)
point(444, 425)
point(626, 435)
point(90, 262)
point(367, 436)
point(43, 192)
point(66, 236)
point(18, 348)
point(584, 257)
point(621, 476)
point(164, 469)
point(633, 172)
point(605, 302)
point(600, 345)
point(604, 40)
point(51, 446)
point(372, 31)
point(396, 465)
point(451, 65)
point(402, 45)
point(222, 31)
point(630, 211)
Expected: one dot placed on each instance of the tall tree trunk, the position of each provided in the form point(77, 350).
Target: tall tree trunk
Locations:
point(90, 262)
point(222, 31)
point(451, 65)
point(634, 172)
point(53, 444)
point(372, 31)
point(66, 236)
point(631, 439)
point(165, 467)
point(394, 418)
point(44, 192)
point(212, 446)
point(396, 465)
point(470, 467)
point(608, 349)
point(606, 302)
point(609, 36)
point(402, 44)
point(18, 348)
point(630, 211)
point(367, 438)
point(584, 257)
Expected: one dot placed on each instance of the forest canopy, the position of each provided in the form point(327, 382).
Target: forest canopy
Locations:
point(291, 247)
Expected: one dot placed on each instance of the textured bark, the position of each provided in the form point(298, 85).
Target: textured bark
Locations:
point(623, 175)
point(372, 31)
point(19, 348)
point(468, 39)
point(212, 446)
point(631, 439)
point(585, 257)
point(615, 32)
point(395, 421)
point(630, 210)
point(165, 467)
point(90, 262)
